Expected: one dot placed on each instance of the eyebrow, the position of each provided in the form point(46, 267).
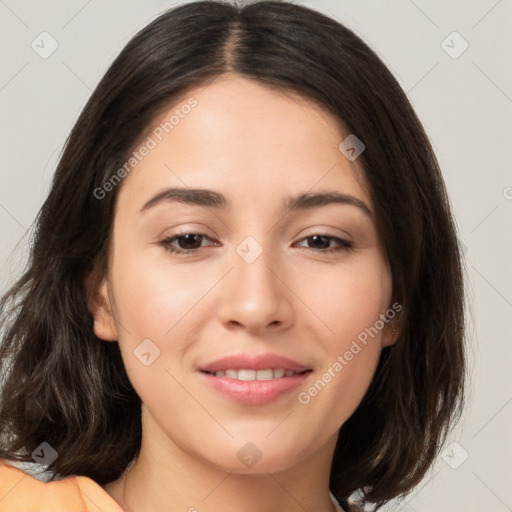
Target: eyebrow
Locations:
point(211, 199)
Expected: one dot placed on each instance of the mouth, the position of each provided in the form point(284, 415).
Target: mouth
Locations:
point(248, 374)
point(254, 380)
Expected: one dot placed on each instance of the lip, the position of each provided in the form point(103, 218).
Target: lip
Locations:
point(258, 392)
point(259, 362)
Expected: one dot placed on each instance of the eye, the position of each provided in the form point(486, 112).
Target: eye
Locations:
point(189, 242)
point(322, 242)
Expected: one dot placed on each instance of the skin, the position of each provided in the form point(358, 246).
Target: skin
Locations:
point(256, 146)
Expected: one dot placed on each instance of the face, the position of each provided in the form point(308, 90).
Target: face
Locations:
point(250, 318)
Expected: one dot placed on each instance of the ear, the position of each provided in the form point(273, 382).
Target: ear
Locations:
point(393, 328)
point(100, 306)
point(390, 334)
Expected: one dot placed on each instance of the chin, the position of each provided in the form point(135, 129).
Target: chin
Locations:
point(260, 456)
point(270, 464)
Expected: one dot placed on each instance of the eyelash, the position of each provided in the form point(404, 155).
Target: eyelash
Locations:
point(345, 245)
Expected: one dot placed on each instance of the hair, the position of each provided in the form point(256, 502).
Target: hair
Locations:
point(64, 386)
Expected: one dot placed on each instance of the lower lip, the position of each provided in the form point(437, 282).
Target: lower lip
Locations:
point(255, 392)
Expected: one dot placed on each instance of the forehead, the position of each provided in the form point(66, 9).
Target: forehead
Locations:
point(245, 138)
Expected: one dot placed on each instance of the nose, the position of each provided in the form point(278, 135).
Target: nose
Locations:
point(256, 296)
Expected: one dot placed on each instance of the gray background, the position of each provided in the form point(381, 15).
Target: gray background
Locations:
point(464, 103)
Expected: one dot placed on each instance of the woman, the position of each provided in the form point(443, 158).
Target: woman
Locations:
point(175, 345)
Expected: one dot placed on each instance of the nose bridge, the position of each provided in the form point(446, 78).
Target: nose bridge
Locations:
point(255, 295)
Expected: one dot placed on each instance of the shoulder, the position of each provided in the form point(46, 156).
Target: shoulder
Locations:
point(20, 491)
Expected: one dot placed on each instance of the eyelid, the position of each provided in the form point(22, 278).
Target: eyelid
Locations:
point(187, 229)
point(329, 231)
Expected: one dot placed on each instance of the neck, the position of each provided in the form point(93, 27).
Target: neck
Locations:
point(173, 480)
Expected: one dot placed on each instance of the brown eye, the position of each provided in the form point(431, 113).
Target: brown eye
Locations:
point(323, 243)
point(189, 241)
point(186, 243)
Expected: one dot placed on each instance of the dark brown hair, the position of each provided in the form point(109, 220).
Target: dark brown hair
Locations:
point(64, 386)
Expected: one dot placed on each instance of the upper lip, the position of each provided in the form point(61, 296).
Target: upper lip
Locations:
point(253, 362)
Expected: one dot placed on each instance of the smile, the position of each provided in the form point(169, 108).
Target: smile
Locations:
point(246, 374)
point(254, 379)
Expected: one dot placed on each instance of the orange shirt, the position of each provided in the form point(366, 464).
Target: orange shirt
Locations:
point(21, 492)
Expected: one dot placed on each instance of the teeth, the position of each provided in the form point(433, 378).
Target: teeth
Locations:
point(249, 375)
point(279, 372)
point(246, 374)
point(264, 374)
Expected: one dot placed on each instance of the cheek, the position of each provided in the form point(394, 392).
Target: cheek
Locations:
point(167, 303)
point(154, 305)
point(350, 305)
point(347, 299)
point(152, 297)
